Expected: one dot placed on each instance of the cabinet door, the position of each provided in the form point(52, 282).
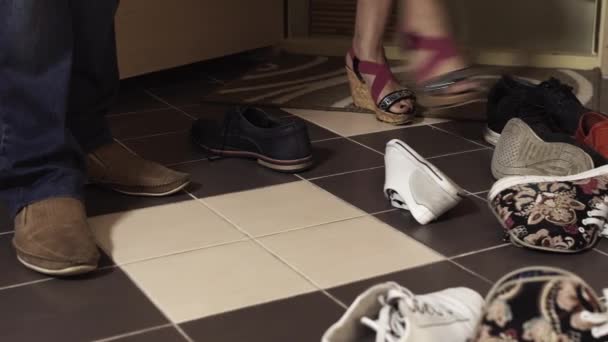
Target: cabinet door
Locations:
point(159, 34)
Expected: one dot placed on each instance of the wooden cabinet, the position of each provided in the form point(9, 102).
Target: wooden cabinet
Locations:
point(158, 34)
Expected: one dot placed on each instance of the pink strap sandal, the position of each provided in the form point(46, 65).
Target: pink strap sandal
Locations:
point(436, 94)
point(369, 97)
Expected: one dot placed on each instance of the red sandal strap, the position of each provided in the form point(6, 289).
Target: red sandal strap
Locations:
point(381, 72)
point(442, 47)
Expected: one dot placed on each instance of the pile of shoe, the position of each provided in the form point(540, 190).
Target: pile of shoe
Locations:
point(530, 304)
point(552, 151)
point(534, 126)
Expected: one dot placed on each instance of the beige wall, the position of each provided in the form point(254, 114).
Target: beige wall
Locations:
point(159, 34)
point(548, 25)
point(566, 26)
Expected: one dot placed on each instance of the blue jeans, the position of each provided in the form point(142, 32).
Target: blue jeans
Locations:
point(58, 76)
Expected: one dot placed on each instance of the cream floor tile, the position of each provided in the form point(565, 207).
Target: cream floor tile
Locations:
point(161, 230)
point(282, 207)
point(351, 123)
point(214, 280)
point(347, 251)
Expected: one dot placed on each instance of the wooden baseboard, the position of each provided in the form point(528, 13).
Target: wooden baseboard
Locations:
point(337, 46)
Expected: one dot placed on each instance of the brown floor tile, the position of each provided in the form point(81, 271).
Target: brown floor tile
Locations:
point(470, 170)
point(299, 319)
point(428, 142)
point(137, 125)
point(13, 272)
point(132, 98)
point(420, 280)
point(470, 226)
point(363, 189)
point(316, 132)
point(603, 245)
point(168, 334)
point(83, 309)
point(340, 155)
point(226, 175)
point(166, 149)
point(495, 263)
point(101, 201)
point(472, 130)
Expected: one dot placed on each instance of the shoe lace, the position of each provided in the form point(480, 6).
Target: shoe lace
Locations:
point(598, 216)
point(391, 323)
point(599, 319)
point(225, 132)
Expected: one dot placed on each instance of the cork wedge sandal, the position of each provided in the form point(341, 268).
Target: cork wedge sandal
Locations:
point(368, 97)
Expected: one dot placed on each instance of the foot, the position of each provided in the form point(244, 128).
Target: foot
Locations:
point(401, 107)
point(52, 237)
point(117, 168)
point(433, 57)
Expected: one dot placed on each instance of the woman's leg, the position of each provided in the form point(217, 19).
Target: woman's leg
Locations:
point(428, 19)
point(372, 18)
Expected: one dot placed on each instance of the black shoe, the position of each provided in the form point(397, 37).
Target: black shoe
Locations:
point(279, 144)
point(504, 103)
point(507, 97)
point(559, 100)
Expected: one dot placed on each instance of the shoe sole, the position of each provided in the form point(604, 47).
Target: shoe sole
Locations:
point(145, 193)
point(290, 166)
point(490, 136)
point(70, 271)
point(421, 213)
point(521, 152)
point(509, 182)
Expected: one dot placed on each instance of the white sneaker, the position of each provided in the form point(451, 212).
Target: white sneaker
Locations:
point(414, 184)
point(400, 316)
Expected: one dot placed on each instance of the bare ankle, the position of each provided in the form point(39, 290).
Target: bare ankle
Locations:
point(369, 51)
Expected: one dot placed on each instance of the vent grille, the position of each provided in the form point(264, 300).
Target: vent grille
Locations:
point(337, 18)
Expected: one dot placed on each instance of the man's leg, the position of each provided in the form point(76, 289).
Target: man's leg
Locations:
point(38, 156)
point(94, 82)
point(93, 87)
point(41, 164)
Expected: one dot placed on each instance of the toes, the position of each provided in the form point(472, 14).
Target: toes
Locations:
point(402, 107)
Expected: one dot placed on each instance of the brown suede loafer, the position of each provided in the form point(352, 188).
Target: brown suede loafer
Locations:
point(117, 168)
point(52, 237)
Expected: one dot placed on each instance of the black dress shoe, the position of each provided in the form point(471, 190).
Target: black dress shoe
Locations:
point(279, 144)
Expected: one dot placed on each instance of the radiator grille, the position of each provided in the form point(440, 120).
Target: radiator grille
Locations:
point(337, 18)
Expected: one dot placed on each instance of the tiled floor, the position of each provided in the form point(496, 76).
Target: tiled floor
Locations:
point(248, 254)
